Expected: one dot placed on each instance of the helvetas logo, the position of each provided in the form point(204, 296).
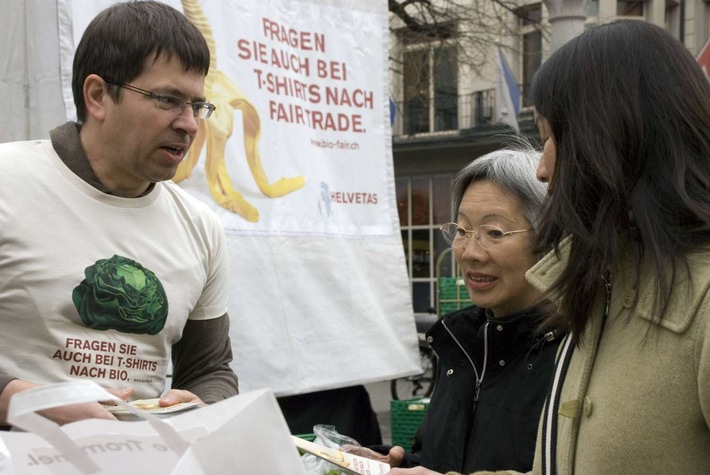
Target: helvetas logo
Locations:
point(324, 200)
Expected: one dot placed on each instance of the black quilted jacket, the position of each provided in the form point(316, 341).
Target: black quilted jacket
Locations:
point(486, 418)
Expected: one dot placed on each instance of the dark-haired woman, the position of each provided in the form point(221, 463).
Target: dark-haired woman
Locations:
point(624, 113)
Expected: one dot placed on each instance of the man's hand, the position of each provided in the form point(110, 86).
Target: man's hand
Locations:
point(176, 396)
point(60, 415)
point(393, 458)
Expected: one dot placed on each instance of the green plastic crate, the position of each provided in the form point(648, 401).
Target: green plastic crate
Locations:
point(308, 437)
point(452, 295)
point(406, 416)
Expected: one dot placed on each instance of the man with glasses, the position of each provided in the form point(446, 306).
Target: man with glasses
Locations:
point(107, 269)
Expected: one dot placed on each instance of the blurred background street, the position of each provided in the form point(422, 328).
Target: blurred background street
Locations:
point(380, 398)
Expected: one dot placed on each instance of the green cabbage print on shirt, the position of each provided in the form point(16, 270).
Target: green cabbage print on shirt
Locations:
point(120, 294)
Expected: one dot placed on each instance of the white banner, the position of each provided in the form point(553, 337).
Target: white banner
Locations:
point(297, 163)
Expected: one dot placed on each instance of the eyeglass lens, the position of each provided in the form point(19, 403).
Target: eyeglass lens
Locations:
point(486, 236)
point(201, 110)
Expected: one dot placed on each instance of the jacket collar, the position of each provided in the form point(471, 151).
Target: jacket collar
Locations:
point(687, 297)
point(66, 142)
point(518, 330)
point(548, 269)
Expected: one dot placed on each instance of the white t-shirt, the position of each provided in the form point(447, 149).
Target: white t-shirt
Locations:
point(98, 286)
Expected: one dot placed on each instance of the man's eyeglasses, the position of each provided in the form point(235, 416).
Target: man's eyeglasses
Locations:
point(487, 236)
point(201, 110)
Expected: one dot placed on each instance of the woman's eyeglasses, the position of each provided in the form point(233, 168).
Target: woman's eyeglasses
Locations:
point(487, 236)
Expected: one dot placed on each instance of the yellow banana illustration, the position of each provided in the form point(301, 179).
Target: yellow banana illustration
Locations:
point(215, 131)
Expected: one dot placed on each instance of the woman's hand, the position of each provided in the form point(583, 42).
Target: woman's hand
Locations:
point(393, 458)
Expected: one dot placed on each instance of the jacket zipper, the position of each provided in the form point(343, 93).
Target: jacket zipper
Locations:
point(479, 378)
point(607, 287)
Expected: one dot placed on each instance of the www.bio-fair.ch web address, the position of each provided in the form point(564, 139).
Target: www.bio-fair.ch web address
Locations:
point(339, 144)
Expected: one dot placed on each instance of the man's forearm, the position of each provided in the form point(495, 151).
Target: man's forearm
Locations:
point(212, 387)
point(201, 360)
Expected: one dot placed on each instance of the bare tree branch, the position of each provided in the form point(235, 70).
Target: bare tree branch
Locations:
point(470, 26)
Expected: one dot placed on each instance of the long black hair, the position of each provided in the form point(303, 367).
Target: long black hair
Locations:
point(629, 110)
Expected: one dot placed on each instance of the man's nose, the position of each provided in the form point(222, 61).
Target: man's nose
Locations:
point(187, 121)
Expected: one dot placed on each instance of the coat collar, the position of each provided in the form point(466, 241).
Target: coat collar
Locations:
point(687, 297)
point(548, 269)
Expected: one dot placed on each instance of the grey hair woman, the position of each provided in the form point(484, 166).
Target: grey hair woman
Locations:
point(495, 361)
point(511, 169)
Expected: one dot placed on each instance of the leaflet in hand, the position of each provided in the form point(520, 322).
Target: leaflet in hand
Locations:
point(348, 463)
point(151, 406)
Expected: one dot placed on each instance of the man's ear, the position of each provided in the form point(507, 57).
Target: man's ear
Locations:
point(96, 97)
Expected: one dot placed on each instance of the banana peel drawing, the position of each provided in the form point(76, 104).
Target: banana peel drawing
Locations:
point(216, 131)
